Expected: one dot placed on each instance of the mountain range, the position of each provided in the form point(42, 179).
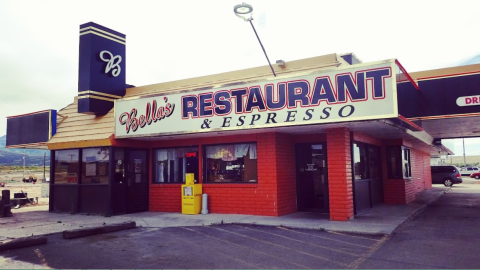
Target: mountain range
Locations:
point(14, 157)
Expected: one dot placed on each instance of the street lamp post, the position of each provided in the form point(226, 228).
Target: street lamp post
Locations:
point(244, 11)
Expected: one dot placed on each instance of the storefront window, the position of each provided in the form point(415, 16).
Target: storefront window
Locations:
point(399, 165)
point(66, 166)
point(171, 164)
point(229, 163)
point(95, 163)
point(366, 159)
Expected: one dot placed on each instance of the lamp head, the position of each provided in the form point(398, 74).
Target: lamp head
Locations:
point(244, 11)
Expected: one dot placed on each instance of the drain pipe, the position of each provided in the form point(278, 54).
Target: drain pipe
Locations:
point(204, 204)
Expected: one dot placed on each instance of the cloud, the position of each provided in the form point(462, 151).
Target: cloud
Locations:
point(175, 40)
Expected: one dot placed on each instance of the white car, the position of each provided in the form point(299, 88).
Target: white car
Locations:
point(467, 171)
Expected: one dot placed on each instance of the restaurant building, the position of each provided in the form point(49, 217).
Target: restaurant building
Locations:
point(329, 134)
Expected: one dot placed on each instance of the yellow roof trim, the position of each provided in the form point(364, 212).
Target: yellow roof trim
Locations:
point(79, 144)
point(445, 72)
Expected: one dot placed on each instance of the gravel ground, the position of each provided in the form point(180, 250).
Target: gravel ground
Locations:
point(13, 181)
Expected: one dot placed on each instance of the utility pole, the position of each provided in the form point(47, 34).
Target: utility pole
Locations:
point(44, 157)
point(464, 159)
point(23, 163)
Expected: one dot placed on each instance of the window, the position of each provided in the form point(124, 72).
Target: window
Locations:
point(366, 160)
point(398, 162)
point(231, 163)
point(95, 165)
point(171, 164)
point(66, 166)
point(406, 167)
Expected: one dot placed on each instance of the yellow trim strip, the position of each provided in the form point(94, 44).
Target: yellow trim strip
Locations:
point(50, 125)
point(98, 93)
point(79, 144)
point(95, 97)
point(95, 33)
point(101, 31)
point(41, 145)
point(20, 115)
point(443, 116)
point(447, 76)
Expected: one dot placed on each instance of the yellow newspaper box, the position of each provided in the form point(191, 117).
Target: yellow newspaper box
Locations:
point(191, 196)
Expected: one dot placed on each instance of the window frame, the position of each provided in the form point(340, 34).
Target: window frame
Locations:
point(205, 164)
point(107, 168)
point(402, 158)
point(55, 165)
point(154, 167)
point(367, 159)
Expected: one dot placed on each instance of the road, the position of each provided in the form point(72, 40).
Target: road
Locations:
point(212, 247)
point(444, 235)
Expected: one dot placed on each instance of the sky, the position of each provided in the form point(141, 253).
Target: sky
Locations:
point(472, 146)
point(172, 40)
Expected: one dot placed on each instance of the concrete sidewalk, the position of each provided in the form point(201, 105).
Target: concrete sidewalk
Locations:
point(382, 219)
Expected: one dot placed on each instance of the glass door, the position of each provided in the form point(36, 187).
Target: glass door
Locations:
point(119, 183)
point(137, 180)
point(312, 182)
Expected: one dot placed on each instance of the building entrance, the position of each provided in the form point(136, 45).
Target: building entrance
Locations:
point(312, 180)
point(130, 183)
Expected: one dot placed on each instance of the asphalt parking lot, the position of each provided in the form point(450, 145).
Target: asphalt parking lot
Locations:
point(208, 247)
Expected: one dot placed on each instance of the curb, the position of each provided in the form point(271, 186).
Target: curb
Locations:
point(71, 234)
point(23, 242)
point(301, 228)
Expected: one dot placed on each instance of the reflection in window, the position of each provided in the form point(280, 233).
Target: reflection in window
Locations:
point(366, 160)
point(231, 163)
point(95, 163)
point(119, 158)
point(407, 169)
point(171, 164)
point(66, 167)
point(399, 164)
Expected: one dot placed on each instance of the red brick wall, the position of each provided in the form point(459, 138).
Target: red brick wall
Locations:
point(275, 192)
point(421, 175)
point(165, 198)
point(286, 176)
point(403, 191)
point(339, 161)
point(276, 176)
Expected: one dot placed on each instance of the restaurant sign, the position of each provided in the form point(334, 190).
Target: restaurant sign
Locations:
point(360, 92)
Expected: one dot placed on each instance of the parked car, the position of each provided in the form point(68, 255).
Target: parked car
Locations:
point(475, 175)
point(467, 171)
point(446, 174)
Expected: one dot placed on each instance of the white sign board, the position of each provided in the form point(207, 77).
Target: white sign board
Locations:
point(360, 92)
point(468, 101)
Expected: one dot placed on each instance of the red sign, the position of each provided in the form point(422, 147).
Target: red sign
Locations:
point(191, 154)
